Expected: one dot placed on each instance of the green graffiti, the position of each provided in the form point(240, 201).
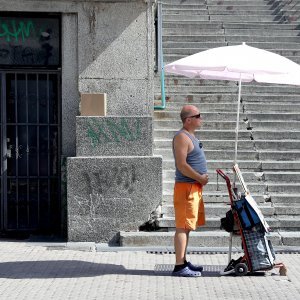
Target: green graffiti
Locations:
point(112, 131)
point(121, 129)
point(97, 136)
point(11, 30)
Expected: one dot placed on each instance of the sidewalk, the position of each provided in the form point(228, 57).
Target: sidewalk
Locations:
point(36, 271)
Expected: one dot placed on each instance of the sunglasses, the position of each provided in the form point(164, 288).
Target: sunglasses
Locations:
point(195, 116)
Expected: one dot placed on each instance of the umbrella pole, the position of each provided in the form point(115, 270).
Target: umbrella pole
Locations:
point(237, 127)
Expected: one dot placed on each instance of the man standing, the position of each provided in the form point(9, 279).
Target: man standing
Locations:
point(191, 175)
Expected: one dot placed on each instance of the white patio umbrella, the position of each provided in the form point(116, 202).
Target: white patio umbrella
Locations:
point(240, 63)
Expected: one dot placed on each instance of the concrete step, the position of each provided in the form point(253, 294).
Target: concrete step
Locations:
point(281, 176)
point(207, 25)
point(178, 53)
point(245, 165)
point(254, 186)
point(220, 38)
point(263, 107)
point(289, 50)
point(231, 38)
point(242, 145)
point(288, 188)
point(244, 7)
point(191, 29)
point(219, 98)
point(252, 10)
point(169, 174)
point(225, 154)
point(209, 144)
point(286, 209)
point(225, 116)
point(171, 81)
point(268, 45)
point(181, 44)
point(214, 186)
point(245, 18)
point(278, 155)
point(226, 165)
point(242, 11)
point(216, 197)
point(266, 32)
point(184, 11)
point(204, 134)
point(290, 223)
point(185, 2)
point(272, 116)
point(225, 125)
point(219, 210)
point(241, 2)
point(268, 177)
point(201, 89)
point(179, 17)
point(268, 125)
point(167, 6)
point(279, 135)
point(181, 80)
point(284, 199)
point(271, 98)
point(279, 145)
point(192, 45)
point(201, 239)
point(207, 116)
point(262, 39)
point(255, 107)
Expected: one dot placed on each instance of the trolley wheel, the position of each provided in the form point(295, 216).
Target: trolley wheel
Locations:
point(241, 269)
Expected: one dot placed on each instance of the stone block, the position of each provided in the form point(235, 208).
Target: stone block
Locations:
point(93, 105)
point(111, 194)
point(114, 136)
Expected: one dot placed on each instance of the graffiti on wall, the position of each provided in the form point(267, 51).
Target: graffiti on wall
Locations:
point(102, 199)
point(29, 41)
point(116, 131)
point(121, 178)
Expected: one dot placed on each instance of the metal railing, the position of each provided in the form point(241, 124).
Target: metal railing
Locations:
point(159, 55)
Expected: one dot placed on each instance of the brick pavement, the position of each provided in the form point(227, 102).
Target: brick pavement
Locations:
point(32, 271)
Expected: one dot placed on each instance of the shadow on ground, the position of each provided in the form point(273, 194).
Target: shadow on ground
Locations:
point(63, 269)
point(77, 269)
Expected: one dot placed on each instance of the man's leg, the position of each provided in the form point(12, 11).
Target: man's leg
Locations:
point(180, 244)
point(187, 242)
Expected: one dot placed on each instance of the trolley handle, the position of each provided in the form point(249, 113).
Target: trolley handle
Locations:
point(222, 174)
point(232, 194)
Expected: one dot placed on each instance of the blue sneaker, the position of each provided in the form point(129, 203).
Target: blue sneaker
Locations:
point(194, 267)
point(186, 272)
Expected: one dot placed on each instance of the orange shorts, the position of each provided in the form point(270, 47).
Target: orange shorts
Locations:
point(188, 205)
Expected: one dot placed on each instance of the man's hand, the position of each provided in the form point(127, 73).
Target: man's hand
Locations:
point(203, 179)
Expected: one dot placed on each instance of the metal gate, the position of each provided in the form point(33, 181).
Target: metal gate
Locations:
point(30, 151)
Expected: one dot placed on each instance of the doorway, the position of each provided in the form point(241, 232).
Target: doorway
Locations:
point(30, 151)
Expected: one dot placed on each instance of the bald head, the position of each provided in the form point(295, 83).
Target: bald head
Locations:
point(188, 110)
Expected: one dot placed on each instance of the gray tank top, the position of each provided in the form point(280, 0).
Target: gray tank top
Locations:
point(196, 159)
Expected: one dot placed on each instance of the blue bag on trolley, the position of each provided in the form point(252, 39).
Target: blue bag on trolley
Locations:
point(247, 215)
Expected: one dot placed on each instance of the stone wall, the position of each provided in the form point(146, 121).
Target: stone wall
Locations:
point(111, 194)
point(114, 183)
point(107, 47)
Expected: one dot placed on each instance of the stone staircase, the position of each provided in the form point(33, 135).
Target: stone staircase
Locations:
point(269, 136)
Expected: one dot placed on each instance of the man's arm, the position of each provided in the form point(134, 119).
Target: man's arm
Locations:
point(181, 149)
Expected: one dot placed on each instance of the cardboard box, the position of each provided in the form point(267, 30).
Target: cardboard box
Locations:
point(93, 105)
